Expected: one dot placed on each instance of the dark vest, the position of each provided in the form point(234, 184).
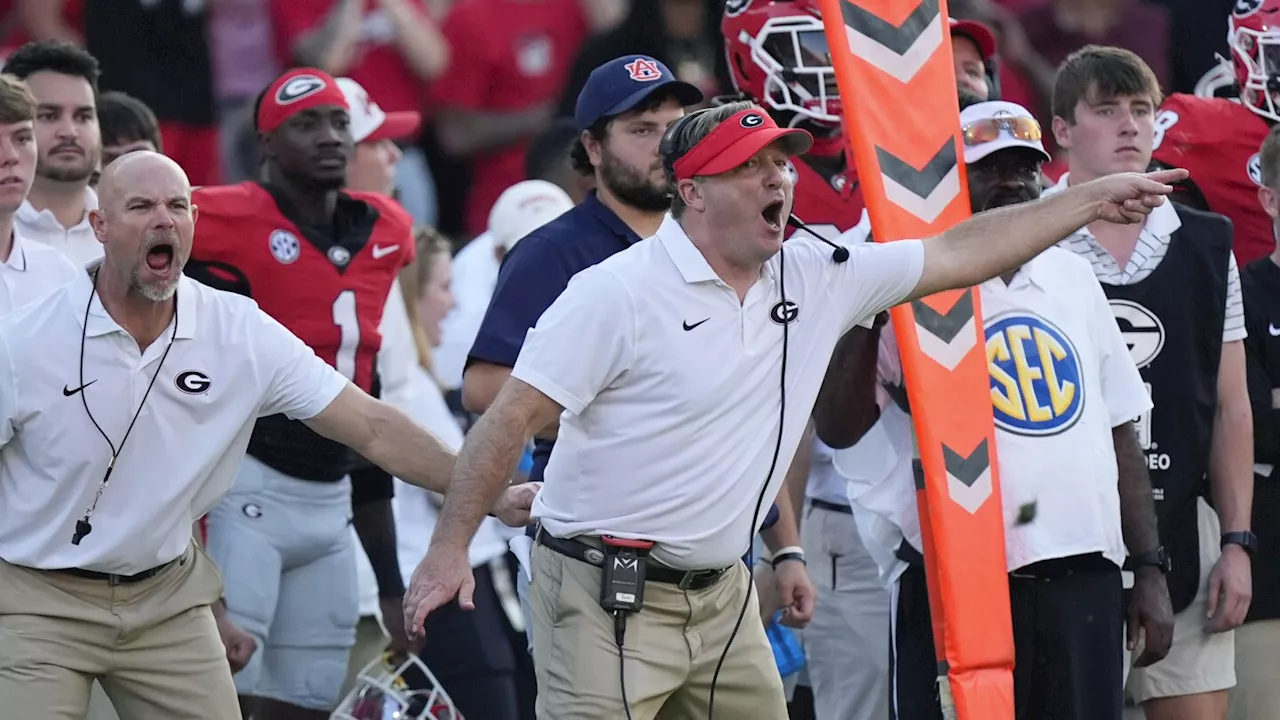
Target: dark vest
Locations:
point(1172, 321)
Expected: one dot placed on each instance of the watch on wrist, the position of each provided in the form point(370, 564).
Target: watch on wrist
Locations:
point(1244, 538)
point(1158, 558)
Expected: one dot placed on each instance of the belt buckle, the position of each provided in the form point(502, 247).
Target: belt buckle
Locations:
point(114, 580)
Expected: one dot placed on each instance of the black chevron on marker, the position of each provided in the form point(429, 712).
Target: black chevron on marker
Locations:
point(967, 469)
point(945, 326)
point(926, 179)
point(897, 38)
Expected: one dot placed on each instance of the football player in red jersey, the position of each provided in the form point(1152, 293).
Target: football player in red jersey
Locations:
point(778, 57)
point(1218, 139)
point(321, 262)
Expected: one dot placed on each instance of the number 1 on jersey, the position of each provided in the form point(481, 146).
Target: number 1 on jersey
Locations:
point(344, 316)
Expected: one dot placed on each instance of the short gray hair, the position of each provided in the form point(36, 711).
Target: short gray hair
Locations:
point(691, 131)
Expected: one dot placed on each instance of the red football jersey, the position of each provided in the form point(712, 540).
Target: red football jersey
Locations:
point(1217, 141)
point(331, 295)
point(829, 207)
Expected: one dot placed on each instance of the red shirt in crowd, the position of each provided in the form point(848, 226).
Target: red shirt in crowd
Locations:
point(72, 15)
point(507, 56)
point(377, 64)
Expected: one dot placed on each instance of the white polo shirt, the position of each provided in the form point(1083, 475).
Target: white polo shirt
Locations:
point(77, 242)
point(670, 386)
point(230, 364)
point(32, 270)
point(1061, 378)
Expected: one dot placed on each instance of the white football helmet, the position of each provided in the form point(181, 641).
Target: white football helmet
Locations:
point(407, 691)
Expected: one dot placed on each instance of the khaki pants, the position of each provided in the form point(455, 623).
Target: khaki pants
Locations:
point(671, 648)
point(1256, 695)
point(153, 645)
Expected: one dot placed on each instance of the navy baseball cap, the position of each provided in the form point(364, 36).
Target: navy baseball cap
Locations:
point(623, 83)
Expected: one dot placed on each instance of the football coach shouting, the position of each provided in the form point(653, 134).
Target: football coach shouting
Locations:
point(683, 371)
point(126, 401)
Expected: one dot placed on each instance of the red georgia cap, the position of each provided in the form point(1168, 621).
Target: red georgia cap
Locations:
point(295, 91)
point(737, 140)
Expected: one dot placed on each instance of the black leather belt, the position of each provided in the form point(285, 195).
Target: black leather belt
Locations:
point(112, 579)
point(582, 552)
point(833, 507)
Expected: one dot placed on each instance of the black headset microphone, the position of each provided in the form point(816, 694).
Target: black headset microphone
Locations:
point(670, 151)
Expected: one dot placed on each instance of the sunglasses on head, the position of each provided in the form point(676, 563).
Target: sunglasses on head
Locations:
point(980, 132)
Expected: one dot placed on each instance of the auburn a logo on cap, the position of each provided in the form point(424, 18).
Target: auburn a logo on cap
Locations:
point(643, 70)
point(754, 120)
point(299, 87)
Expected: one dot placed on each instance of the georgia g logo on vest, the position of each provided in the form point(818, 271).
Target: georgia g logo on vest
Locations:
point(1036, 379)
point(1142, 331)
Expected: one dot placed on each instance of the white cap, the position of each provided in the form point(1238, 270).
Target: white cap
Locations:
point(992, 110)
point(368, 121)
point(523, 208)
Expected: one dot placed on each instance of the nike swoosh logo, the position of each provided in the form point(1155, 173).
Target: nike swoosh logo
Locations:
point(68, 392)
point(687, 326)
point(1275, 331)
point(381, 252)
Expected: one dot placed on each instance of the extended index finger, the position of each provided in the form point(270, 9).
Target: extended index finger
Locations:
point(1169, 176)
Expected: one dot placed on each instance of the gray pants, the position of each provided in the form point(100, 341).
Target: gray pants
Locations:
point(847, 643)
point(289, 562)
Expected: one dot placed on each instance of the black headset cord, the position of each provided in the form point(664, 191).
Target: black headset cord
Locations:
point(839, 255)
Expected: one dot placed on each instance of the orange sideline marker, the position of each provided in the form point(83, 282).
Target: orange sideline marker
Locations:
point(893, 65)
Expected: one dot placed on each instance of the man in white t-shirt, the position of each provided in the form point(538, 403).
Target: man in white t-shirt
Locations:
point(64, 79)
point(683, 371)
point(27, 269)
point(1073, 481)
point(127, 398)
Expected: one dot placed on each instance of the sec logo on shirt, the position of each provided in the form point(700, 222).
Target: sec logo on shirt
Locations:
point(1036, 387)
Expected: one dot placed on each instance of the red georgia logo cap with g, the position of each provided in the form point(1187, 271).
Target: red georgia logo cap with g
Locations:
point(295, 91)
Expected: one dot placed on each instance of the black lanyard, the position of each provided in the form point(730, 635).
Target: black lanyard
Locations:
point(83, 527)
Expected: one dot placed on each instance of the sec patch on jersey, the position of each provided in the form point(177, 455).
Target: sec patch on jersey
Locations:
point(1036, 377)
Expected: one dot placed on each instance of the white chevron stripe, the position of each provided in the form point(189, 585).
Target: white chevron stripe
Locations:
point(948, 355)
point(927, 209)
point(905, 66)
point(971, 498)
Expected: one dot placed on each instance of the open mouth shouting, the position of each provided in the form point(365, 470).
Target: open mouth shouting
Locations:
point(160, 258)
point(772, 215)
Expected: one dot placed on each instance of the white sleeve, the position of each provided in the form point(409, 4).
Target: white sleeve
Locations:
point(582, 343)
point(296, 382)
point(1123, 390)
point(1233, 321)
point(8, 391)
point(876, 277)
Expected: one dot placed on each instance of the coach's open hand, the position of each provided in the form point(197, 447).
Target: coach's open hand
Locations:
point(443, 574)
point(1130, 197)
point(446, 570)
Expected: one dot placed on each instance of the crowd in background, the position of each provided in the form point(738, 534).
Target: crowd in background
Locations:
point(495, 84)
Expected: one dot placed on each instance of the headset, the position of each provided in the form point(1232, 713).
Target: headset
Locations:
point(670, 151)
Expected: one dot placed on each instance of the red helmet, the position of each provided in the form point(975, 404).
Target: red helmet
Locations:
point(778, 56)
point(1254, 38)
